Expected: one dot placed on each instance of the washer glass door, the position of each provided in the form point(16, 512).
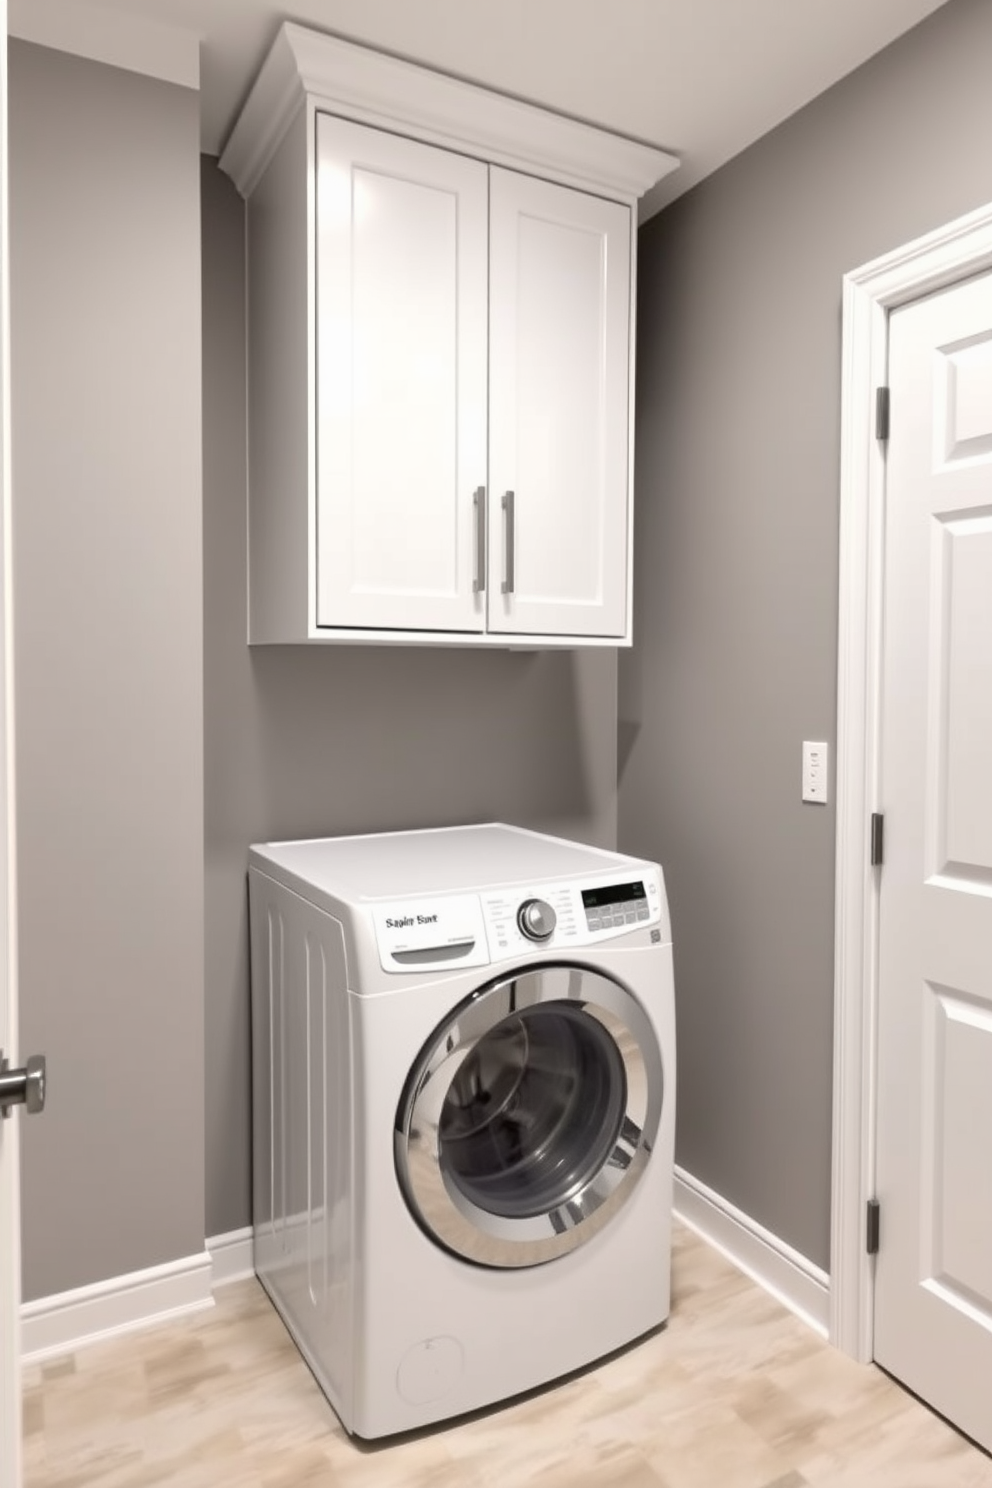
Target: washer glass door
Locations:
point(530, 1116)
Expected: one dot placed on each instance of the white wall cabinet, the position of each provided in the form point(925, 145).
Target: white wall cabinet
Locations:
point(440, 350)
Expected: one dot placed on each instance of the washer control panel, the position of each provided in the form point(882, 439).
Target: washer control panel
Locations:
point(443, 932)
point(570, 914)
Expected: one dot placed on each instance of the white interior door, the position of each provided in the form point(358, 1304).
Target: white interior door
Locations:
point(559, 341)
point(933, 1299)
point(402, 300)
point(10, 1228)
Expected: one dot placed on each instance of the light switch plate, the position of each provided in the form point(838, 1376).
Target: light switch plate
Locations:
point(815, 772)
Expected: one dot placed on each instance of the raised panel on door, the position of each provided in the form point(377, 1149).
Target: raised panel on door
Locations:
point(559, 329)
point(933, 1302)
point(401, 380)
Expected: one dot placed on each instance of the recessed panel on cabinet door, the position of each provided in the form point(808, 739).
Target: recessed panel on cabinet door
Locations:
point(401, 380)
point(559, 326)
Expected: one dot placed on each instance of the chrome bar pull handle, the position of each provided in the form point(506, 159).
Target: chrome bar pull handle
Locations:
point(509, 564)
point(479, 500)
point(22, 1087)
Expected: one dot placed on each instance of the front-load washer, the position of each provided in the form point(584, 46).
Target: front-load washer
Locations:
point(463, 1048)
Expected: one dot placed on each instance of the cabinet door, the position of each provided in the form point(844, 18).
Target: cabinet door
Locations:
point(559, 328)
point(401, 380)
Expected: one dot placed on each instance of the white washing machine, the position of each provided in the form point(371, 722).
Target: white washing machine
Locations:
point(464, 1104)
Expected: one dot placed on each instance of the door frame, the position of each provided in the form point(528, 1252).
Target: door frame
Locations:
point(10, 1235)
point(953, 252)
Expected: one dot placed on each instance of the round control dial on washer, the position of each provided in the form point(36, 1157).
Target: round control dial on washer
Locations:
point(537, 919)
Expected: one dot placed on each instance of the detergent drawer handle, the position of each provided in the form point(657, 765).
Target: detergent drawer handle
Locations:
point(424, 955)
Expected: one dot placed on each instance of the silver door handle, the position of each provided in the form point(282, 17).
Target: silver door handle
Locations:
point(509, 562)
point(480, 539)
point(23, 1087)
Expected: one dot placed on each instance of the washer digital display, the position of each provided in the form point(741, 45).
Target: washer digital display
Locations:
point(611, 894)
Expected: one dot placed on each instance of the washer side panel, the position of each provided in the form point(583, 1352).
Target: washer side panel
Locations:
point(302, 1127)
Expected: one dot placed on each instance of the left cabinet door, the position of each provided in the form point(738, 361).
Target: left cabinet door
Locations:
point(401, 373)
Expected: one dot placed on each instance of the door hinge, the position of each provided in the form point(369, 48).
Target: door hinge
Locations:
point(881, 413)
point(877, 838)
point(871, 1228)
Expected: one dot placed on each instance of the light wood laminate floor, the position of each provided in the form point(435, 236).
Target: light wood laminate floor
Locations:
point(734, 1393)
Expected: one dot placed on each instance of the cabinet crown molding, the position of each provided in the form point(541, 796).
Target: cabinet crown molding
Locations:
point(389, 93)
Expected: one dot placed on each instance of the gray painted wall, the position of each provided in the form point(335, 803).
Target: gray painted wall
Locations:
point(736, 616)
point(735, 660)
point(108, 648)
point(308, 741)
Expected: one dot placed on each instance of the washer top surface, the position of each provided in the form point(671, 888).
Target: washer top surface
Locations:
point(440, 861)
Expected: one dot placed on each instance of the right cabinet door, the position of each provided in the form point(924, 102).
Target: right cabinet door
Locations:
point(559, 344)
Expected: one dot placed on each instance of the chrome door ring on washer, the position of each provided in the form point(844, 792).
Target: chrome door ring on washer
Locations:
point(530, 1116)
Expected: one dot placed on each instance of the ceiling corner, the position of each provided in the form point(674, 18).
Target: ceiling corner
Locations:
point(130, 42)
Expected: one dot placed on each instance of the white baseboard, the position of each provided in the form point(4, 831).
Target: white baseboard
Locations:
point(106, 1309)
point(232, 1256)
point(59, 1324)
point(62, 1323)
point(789, 1276)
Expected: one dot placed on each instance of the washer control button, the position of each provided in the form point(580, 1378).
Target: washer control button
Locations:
point(536, 919)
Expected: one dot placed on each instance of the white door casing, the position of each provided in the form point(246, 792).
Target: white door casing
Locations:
point(933, 1283)
point(402, 296)
point(961, 249)
point(10, 1231)
point(559, 344)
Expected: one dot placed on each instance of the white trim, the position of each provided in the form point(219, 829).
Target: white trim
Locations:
point(342, 635)
point(953, 252)
point(123, 1304)
point(387, 92)
point(89, 1314)
point(799, 1285)
point(110, 36)
point(10, 1217)
point(232, 1256)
